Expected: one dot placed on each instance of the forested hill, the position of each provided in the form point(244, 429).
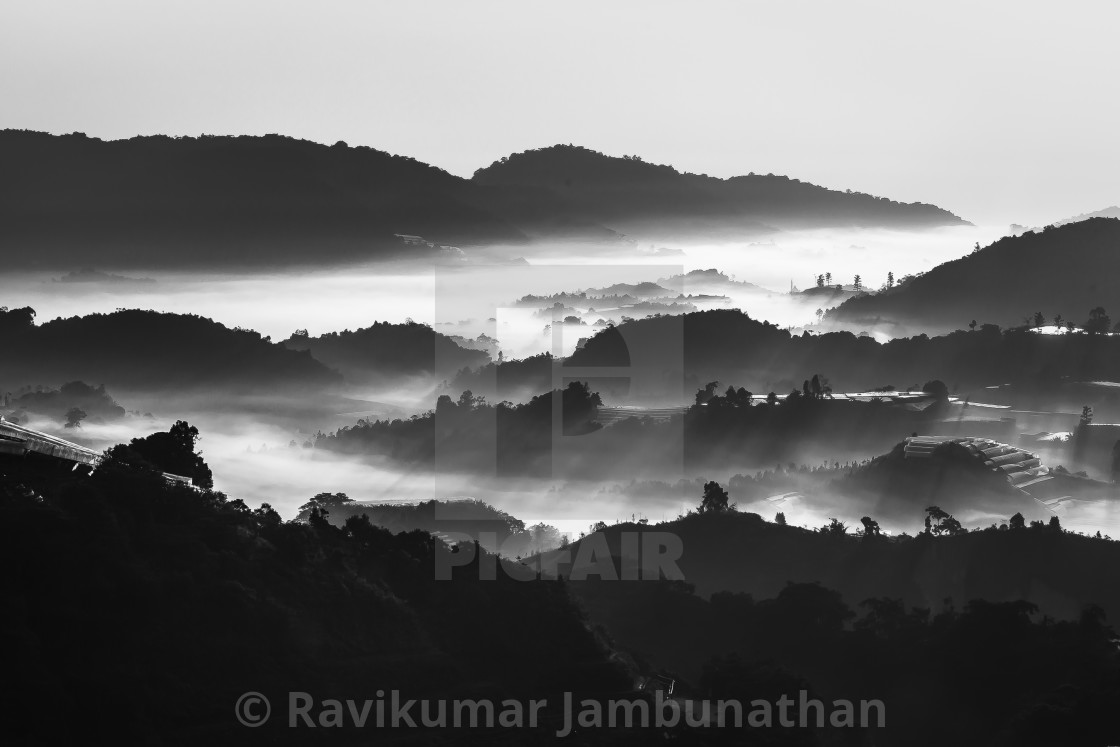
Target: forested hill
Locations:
point(731, 347)
point(630, 194)
point(1067, 270)
point(150, 351)
point(385, 350)
point(160, 201)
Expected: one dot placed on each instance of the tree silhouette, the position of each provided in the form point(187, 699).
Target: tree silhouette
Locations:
point(1017, 521)
point(172, 451)
point(715, 499)
point(939, 522)
point(1099, 322)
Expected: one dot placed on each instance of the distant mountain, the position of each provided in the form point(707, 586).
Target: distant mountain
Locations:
point(1065, 270)
point(387, 350)
point(162, 201)
point(151, 352)
point(1108, 212)
point(220, 200)
point(633, 196)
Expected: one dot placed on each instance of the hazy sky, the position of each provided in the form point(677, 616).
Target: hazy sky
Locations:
point(1000, 112)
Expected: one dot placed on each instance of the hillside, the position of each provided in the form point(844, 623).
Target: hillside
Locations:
point(161, 201)
point(156, 202)
point(164, 603)
point(386, 350)
point(151, 351)
point(1065, 270)
point(631, 195)
point(729, 346)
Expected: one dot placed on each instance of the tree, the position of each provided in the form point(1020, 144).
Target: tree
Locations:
point(1039, 319)
point(939, 522)
point(828, 278)
point(715, 499)
point(1055, 524)
point(74, 417)
point(1017, 522)
point(1058, 321)
point(172, 451)
point(820, 315)
point(772, 398)
point(858, 283)
point(780, 519)
point(870, 527)
point(703, 396)
point(972, 326)
point(1086, 416)
point(890, 280)
point(1099, 322)
point(937, 388)
point(820, 281)
point(834, 528)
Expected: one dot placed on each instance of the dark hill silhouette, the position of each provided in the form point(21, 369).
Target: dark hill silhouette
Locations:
point(1059, 571)
point(257, 201)
point(931, 624)
point(633, 196)
point(150, 351)
point(92, 402)
point(385, 350)
point(728, 346)
point(148, 608)
point(1066, 270)
point(161, 201)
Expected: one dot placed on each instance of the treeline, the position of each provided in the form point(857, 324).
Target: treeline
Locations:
point(385, 350)
point(494, 529)
point(473, 434)
point(508, 439)
point(983, 673)
point(151, 351)
point(730, 346)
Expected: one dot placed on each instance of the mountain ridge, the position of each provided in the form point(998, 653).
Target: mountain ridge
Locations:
point(160, 201)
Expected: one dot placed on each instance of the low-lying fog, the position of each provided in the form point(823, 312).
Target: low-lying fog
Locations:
point(261, 458)
point(463, 296)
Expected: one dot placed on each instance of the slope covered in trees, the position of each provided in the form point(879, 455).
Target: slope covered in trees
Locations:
point(632, 195)
point(385, 350)
point(1067, 270)
point(158, 202)
point(731, 347)
point(161, 201)
point(143, 610)
point(150, 351)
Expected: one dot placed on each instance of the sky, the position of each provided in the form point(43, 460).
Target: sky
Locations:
point(999, 111)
